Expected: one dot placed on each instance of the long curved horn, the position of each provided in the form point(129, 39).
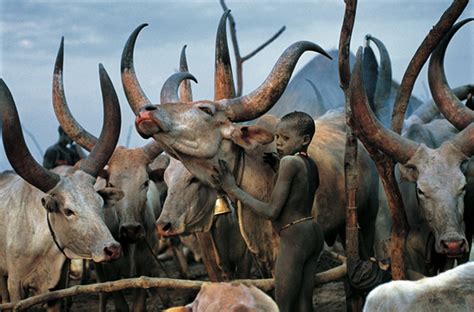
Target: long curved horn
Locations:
point(370, 75)
point(15, 147)
point(152, 150)
point(110, 132)
point(449, 105)
point(223, 77)
point(134, 93)
point(319, 97)
point(169, 91)
point(384, 79)
point(428, 110)
point(259, 101)
point(382, 138)
point(464, 140)
point(70, 125)
point(185, 90)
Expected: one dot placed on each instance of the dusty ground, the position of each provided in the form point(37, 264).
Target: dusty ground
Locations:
point(326, 298)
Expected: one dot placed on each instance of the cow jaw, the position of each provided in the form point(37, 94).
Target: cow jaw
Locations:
point(440, 185)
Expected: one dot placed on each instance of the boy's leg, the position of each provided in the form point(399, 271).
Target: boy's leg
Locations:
point(305, 299)
point(288, 274)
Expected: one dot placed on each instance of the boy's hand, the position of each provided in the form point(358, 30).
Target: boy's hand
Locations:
point(223, 176)
point(272, 160)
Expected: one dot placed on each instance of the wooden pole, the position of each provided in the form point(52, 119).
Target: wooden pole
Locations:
point(150, 282)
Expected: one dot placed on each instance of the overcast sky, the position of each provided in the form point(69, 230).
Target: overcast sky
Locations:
point(95, 32)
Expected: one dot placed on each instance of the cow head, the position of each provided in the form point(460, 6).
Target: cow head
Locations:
point(189, 204)
point(128, 169)
point(437, 173)
point(74, 208)
point(198, 133)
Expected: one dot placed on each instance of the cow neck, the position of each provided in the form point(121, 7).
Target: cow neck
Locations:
point(239, 166)
point(53, 235)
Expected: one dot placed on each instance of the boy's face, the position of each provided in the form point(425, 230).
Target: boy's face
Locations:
point(288, 140)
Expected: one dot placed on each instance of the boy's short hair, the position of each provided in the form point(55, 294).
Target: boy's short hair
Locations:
point(303, 122)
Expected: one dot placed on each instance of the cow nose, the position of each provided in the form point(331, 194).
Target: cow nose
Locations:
point(132, 232)
point(148, 108)
point(454, 247)
point(112, 251)
point(163, 228)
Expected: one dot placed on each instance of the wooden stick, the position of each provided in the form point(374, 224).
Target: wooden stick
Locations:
point(150, 282)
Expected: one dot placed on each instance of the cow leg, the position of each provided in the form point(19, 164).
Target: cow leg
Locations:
point(244, 266)
point(117, 297)
point(139, 300)
point(4, 289)
point(55, 305)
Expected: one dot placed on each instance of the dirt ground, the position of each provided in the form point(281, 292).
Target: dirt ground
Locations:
point(326, 298)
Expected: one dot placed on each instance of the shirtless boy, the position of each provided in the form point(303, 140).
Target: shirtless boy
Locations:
point(289, 209)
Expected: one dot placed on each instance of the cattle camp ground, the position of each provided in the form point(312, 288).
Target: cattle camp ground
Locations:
point(158, 96)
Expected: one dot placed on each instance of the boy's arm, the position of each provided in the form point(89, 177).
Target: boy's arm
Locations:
point(279, 196)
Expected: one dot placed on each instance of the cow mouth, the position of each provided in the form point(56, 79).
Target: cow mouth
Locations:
point(147, 125)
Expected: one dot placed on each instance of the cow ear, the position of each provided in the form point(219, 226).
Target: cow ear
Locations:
point(157, 175)
point(408, 173)
point(50, 203)
point(249, 137)
point(111, 195)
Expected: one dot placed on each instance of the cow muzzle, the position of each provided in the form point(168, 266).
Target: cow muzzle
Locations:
point(145, 122)
point(454, 247)
point(131, 232)
point(111, 251)
point(164, 229)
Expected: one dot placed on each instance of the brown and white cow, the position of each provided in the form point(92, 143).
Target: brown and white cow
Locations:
point(216, 297)
point(132, 219)
point(46, 217)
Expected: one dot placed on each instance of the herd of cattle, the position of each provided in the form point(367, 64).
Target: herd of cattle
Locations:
point(113, 206)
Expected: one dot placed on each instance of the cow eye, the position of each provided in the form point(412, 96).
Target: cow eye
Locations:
point(145, 185)
point(207, 110)
point(68, 212)
point(463, 189)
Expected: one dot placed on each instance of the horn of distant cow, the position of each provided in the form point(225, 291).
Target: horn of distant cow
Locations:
point(15, 147)
point(319, 97)
point(464, 140)
point(169, 91)
point(384, 78)
point(134, 93)
point(449, 105)
point(70, 125)
point(259, 101)
point(383, 139)
point(223, 77)
point(370, 74)
point(110, 132)
point(185, 90)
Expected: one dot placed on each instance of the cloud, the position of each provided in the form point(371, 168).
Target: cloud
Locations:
point(95, 31)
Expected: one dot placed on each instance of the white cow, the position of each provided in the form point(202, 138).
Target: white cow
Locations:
point(452, 290)
point(46, 217)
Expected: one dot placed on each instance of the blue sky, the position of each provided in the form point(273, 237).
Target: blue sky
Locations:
point(95, 32)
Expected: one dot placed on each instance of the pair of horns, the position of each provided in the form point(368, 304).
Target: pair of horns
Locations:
point(244, 108)
point(112, 118)
point(393, 144)
point(20, 157)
